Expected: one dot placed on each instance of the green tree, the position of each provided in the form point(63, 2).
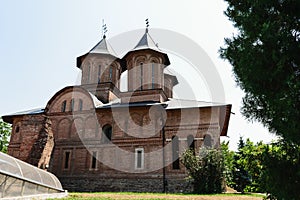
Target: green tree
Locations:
point(252, 162)
point(281, 170)
point(241, 177)
point(5, 130)
point(266, 63)
point(206, 170)
point(228, 156)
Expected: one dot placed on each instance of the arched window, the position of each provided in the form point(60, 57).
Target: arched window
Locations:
point(63, 106)
point(207, 141)
point(72, 105)
point(88, 72)
point(99, 73)
point(191, 142)
point(141, 78)
point(80, 104)
point(110, 73)
point(17, 129)
point(106, 133)
point(175, 153)
point(153, 75)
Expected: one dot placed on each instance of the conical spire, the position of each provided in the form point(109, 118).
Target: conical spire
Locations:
point(103, 47)
point(146, 42)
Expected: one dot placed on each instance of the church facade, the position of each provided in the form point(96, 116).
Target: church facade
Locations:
point(95, 137)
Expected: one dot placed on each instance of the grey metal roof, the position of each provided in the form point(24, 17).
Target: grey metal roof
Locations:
point(183, 103)
point(103, 47)
point(147, 42)
point(170, 104)
point(30, 112)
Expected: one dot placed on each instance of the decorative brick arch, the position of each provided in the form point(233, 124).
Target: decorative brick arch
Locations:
point(63, 129)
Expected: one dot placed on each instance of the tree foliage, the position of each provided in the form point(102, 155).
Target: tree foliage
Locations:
point(281, 170)
point(5, 130)
point(228, 156)
point(266, 62)
point(206, 170)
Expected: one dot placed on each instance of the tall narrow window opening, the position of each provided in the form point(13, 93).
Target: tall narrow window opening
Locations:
point(110, 73)
point(80, 105)
point(88, 73)
point(67, 160)
point(141, 75)
point(106, 133)
point(94, 160)
point(72, 104)
point(139, 158)
point(63, 106)
point(99, 74)
point(175, 153)
point(153, 76)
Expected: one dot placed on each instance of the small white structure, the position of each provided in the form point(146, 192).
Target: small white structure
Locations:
point(20, 180)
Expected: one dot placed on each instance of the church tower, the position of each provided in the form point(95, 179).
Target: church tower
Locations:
point(145, 65)
point(101, 71)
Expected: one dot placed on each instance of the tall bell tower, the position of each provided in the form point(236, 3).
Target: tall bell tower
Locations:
point(145, 64)
point(101, 71)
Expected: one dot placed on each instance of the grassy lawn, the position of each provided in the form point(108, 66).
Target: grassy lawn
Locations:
point(159, 196)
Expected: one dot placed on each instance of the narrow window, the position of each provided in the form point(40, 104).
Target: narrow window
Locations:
point(67, 160)
point(126, 126)
point(94, 160)
point(99, 74)
point(63, 106)
point(110, 73)
point(139, 158)
point(80, 105)
point(153, 76)
point(191, 142)
point(88, 73)
point(175, 153)
point(106, 133)
point(17, 129)
point(141, 75)
point(72, 104)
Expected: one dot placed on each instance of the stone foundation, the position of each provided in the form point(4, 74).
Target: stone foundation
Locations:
point(124, 185)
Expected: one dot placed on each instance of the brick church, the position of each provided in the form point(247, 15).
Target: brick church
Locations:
point(95, 137)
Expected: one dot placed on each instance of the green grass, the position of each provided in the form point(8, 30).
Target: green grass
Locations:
point(151, 196)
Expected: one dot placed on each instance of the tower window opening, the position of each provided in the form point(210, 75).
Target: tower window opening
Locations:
point(80, 105)
point(72, 104)
point(88, 72)
point(99, 73)
point(110, 73)
point(153, 75)
point(141, 75)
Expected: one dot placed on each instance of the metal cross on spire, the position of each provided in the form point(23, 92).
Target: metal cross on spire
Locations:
point(147, 24)
point(104, 29)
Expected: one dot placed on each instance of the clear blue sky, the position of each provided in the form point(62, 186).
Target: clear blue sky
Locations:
point(40, 41)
